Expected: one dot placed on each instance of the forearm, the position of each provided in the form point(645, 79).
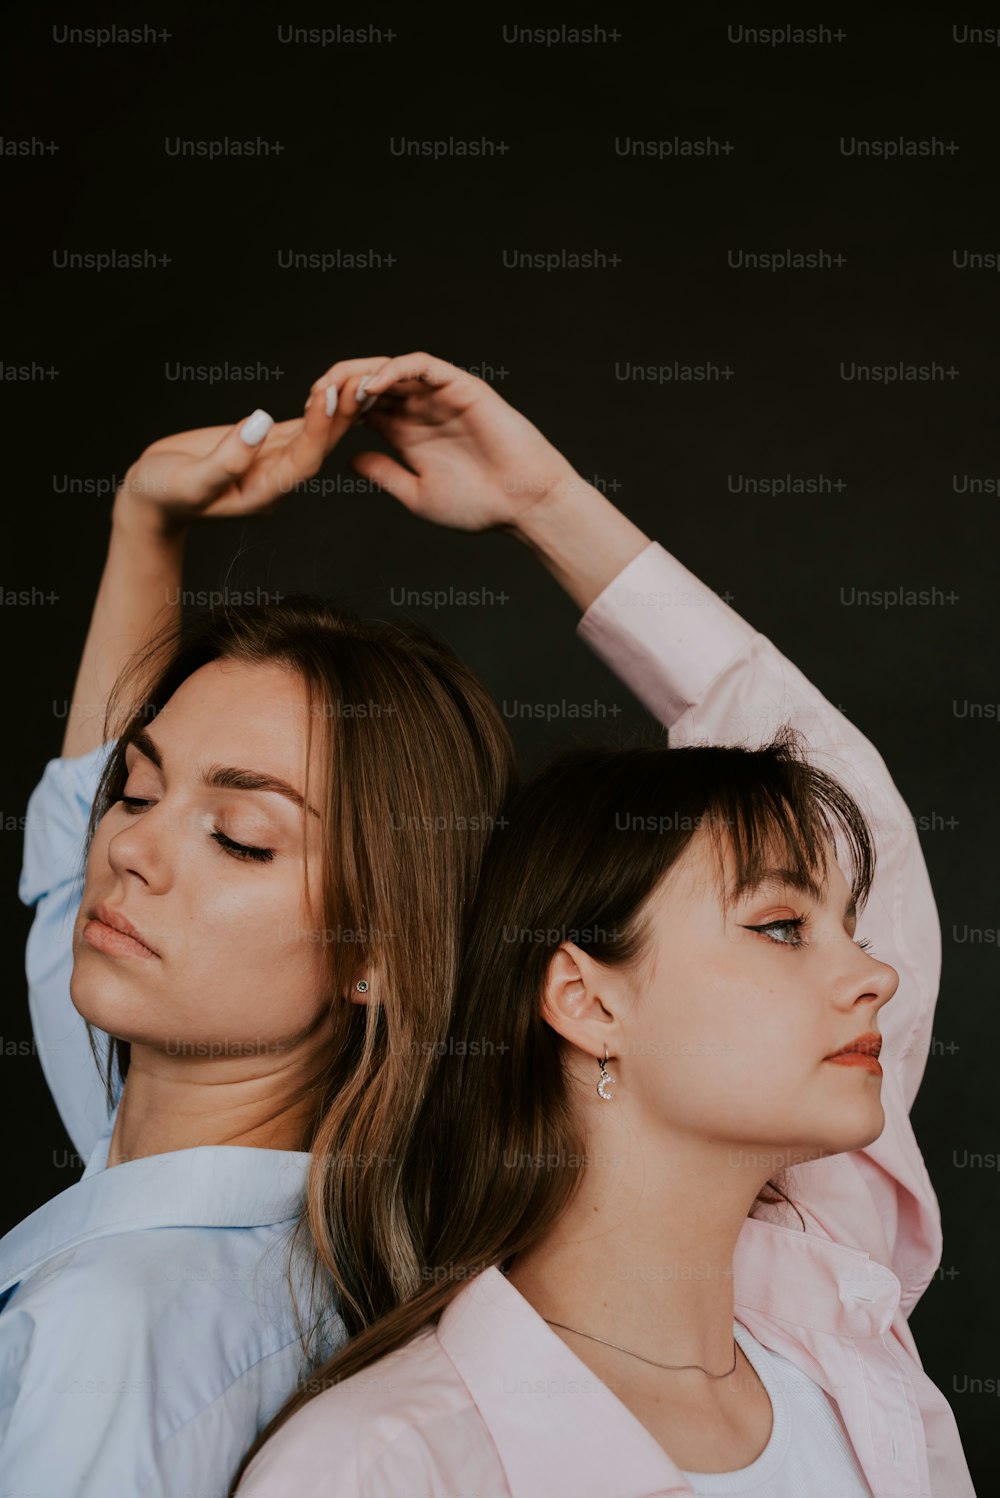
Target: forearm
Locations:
point(139, 593)
point(581, 537)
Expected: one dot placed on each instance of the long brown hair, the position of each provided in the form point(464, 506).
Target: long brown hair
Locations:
point(581, 848)
point(416, 764)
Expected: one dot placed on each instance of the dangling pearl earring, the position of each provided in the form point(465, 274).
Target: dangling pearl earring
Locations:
point(605, 1078)
point(362, 985)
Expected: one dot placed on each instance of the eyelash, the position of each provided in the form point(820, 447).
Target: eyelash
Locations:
point(799, 923)
point(243, 851)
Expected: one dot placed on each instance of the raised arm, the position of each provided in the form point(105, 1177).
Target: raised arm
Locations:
point(472, 462)
point(209, 473)
point(139, 593)
point(709, 677)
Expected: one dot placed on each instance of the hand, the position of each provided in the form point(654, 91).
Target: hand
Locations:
point(246, 469)
point(474, 463)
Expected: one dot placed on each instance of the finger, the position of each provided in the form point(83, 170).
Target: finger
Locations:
point(230, 459)
point(326, 400)
point(287, 429)
point(391, 476)
point(342, 370)
point(197, 442)
point(316, 439)
point(396, 395)
point(354, 397)
point(421, 367)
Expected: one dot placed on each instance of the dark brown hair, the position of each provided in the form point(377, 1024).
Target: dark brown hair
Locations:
point(581, 849)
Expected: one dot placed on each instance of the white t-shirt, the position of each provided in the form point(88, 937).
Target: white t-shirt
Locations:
point(808, 1450)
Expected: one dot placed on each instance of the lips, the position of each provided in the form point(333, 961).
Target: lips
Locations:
point(117, 922)
point(868, 1044)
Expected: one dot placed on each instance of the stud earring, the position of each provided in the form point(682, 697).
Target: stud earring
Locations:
point(605, 1078)
point(362, 985)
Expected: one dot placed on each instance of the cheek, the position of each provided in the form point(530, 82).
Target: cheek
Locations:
point(261, 918)
point(720, 1038)
point(271, 933)
point(262, 958)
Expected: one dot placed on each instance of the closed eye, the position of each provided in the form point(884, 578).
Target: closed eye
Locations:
point(245, 851)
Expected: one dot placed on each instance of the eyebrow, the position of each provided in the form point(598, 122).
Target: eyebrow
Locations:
point(783, 879)
point(226, 777)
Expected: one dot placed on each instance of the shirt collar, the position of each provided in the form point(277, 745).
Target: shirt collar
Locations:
point(810, 1281)
point(209, 1186)
point(525, 1380)
point(523, 1377)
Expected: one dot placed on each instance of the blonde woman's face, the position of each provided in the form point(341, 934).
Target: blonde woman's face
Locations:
point(211, 877)
point(728, 1034)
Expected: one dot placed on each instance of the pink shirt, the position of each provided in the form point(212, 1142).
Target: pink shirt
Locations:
point(491, 1401)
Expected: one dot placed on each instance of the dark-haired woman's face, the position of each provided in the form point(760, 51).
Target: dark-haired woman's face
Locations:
point(238, 968)
point(727, 1032)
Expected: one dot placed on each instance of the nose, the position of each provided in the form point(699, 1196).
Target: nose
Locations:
point(876, 983)
point(141, 844)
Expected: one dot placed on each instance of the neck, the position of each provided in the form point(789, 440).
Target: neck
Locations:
point(643, 1255)
point(168, 1105)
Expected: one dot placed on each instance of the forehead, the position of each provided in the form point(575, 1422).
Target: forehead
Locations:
point(237, 713)
point(707, 874)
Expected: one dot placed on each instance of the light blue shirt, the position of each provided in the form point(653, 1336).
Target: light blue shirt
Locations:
point(147, 1329)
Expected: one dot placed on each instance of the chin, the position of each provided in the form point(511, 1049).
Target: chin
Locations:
point(843, 1135)
point(82, 991)
point(93, 996)
point(869, 1128)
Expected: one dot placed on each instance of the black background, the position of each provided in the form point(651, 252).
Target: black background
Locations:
point(555, 344)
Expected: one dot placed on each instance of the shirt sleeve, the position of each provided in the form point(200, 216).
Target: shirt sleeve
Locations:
point(52, 881)
point(709, 677)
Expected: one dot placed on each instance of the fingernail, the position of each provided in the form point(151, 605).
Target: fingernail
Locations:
point(331, 399)
point(256, 428)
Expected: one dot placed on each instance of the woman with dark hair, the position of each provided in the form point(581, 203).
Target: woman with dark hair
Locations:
point(671, 1211)
point(282, 812)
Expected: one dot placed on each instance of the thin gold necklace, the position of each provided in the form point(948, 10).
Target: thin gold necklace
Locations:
point(639, 1355)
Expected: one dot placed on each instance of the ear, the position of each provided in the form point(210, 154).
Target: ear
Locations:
point(576, 1001)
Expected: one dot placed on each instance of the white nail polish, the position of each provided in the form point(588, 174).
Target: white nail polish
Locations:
point(256, 427)
point(331, 399)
